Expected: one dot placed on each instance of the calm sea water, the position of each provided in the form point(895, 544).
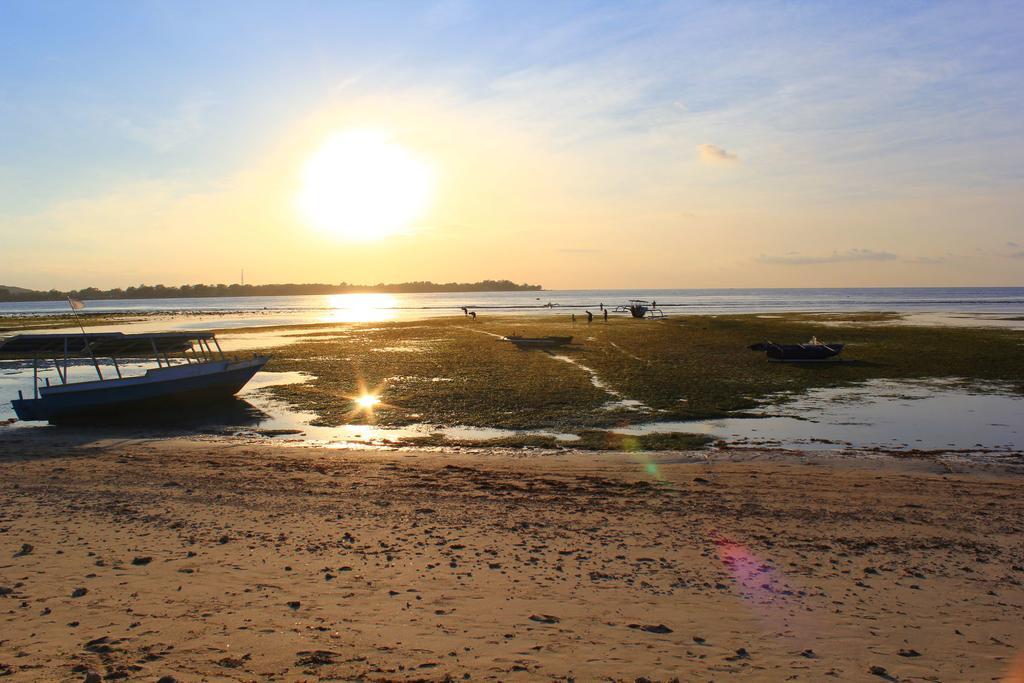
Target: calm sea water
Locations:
point(992, 301)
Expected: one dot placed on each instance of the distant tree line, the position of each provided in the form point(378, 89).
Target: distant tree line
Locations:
point(192, 291)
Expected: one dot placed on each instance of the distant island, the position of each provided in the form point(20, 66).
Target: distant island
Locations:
point(8, 293)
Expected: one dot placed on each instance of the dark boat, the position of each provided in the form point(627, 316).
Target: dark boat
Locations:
point(537, 342)
point(188, 372)
point(640, 308)
point(810, 352)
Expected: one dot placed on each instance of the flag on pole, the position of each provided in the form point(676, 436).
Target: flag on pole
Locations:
point(76, 306)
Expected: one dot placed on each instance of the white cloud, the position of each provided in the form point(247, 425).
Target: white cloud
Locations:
point(713, 154)
point(447, 13)
point(797, 259)
point(926, 260)
point(164, 134)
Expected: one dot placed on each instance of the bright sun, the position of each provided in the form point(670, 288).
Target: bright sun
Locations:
point(362, 185)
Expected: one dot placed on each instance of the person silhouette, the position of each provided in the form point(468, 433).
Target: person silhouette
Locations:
point(606, 315)
point(590, 317)
point(573, 318)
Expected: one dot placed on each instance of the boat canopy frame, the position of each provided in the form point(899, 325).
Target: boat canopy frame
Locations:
point(106, 344)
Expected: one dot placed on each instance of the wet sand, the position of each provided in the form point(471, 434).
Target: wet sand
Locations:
point(225, 560)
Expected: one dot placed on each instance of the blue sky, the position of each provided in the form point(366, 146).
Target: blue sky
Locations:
point(894, 129)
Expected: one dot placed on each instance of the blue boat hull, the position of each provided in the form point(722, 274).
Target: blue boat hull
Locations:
point(796, 353)
point(138, 395)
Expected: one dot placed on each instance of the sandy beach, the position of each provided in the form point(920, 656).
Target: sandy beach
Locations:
point(226, 560)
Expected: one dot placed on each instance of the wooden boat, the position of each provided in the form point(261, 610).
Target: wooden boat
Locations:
point(810, 352)
point(537, 342)
point(195, 373)
point(640, 308)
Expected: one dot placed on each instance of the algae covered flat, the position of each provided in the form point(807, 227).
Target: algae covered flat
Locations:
point(683, 367)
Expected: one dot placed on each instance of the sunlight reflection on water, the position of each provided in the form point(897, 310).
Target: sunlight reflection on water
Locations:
point(360, 308)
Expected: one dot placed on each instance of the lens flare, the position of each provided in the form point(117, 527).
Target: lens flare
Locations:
point(774, 599)
point(754, 577)
point(1016, 672)
point(366, 401)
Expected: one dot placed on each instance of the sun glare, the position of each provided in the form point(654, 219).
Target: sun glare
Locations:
point(370, 307)
point(363, 185)
point(367, 401)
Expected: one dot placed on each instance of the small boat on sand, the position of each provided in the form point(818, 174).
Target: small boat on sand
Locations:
point(812, 351)
point(537, 342)
point(189, 371)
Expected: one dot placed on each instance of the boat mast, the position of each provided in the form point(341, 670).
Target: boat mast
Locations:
point(88, 346)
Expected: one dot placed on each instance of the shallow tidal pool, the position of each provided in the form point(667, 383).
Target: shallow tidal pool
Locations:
point(880, 414)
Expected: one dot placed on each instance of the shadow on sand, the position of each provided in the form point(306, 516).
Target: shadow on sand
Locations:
point(17, 440)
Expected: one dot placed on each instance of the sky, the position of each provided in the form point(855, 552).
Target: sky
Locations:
point(568, 144)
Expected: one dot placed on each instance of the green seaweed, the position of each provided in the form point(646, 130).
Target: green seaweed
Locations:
point(687, 367)
point(589, 440)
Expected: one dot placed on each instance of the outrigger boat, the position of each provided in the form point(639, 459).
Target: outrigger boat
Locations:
point(640, 308)
point(537, 342)
point(812, 351)
point(189, 371)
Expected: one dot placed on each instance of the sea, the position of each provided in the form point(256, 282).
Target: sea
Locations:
point(994, 304)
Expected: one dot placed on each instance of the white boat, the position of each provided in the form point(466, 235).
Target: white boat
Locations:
point(189, 371)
